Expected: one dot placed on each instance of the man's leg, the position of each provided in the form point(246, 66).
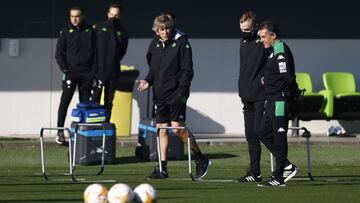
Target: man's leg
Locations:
point(253, 112)
point(85, 84)
point(162, 120)
point(110, 88)
point(266, 128)
point(178, 117)
point(97, 91)
point(281, 121)
point(275, 123)
point(202, 162)
point(164, 145)
point(68, 89)
point(183, 135)
point(267, 132)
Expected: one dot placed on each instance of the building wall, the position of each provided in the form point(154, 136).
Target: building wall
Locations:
point(30, 84)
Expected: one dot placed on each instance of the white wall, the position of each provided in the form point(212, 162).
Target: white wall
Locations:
point(30, 84)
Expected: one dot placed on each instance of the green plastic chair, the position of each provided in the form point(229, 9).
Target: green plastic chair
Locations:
point(310, 105)
point(345, 98)
point(341, 83)
point(304, 82)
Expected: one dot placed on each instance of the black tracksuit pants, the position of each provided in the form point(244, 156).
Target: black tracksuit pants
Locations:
point(84, 81)
point(273, 132)
point(109, 86)
point(253, 112)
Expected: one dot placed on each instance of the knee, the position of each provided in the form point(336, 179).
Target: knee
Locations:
point(254, 139)
point(65, 102)
point(163, 133)
point(177, 132)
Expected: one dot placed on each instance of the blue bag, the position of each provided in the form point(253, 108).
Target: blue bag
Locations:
point(89, 112)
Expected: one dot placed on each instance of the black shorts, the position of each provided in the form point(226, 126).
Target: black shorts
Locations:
point(165, 113)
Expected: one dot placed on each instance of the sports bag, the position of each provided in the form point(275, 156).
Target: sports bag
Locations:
point(89, 112)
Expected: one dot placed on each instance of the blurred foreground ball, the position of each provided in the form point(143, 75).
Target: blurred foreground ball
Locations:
point(145, 193)
point(95, 193)
point(120, 193)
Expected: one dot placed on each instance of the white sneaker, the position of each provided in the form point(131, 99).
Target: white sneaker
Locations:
point(290, 171)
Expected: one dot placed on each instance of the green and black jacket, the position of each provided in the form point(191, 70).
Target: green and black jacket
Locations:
point(111, 45)
point(171, 68)
point(75, 48)
point(279, 75)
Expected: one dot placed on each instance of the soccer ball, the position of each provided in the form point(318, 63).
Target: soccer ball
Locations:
point(145, 193)
point(95, 193)
point(120, 193)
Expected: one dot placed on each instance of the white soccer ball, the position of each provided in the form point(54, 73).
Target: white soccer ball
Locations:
point(95, 193)
point(120, 193)
point(145, 193)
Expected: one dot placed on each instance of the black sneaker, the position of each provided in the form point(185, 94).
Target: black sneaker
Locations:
point(290, 171)
point(60, 138)
point(272, 182)
point(249, 178)
point(156, 174)
point(202, 167)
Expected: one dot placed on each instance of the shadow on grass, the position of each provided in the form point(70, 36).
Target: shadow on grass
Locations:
point(128, 160)
point(220, 155)
point(14, 139)
point(134, 159)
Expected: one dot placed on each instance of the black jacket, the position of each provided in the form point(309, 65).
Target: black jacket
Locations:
point(111, 45)
point(171, 68)
point(75, 49)
point(252, 60)
point(279, 76)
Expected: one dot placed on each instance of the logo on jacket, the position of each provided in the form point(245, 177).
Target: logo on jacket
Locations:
point(71, 30)
point(157, 45)
point(271, 55)
point(281, 57)
point(187, 46)
point(104, 29)
point(173, 44)
point(282, 67)
point(281, 130)
point(118, 33)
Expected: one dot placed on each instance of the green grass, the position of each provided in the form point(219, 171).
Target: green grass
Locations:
point(336, 169)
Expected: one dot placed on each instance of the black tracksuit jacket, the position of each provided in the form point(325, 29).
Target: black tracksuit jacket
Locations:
point(111, 45)
point(252, 60)
point(171, 68)
point(279, 76)
point(75, 49)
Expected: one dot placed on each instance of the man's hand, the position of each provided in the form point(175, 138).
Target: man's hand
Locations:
point(143, 85)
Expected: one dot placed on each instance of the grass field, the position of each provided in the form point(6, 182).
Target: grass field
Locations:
point(336, 169)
